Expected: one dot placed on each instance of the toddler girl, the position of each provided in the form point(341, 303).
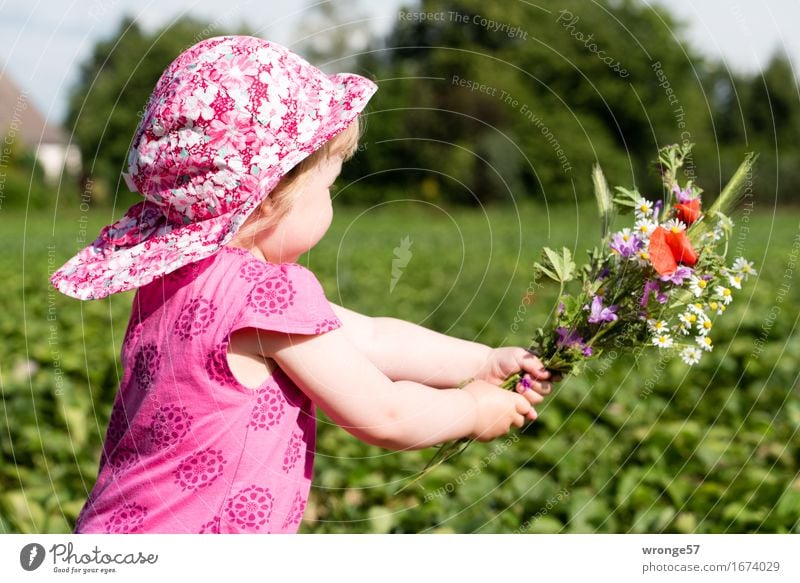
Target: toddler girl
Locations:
point(231, 344)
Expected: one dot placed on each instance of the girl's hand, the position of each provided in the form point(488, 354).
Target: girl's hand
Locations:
point(497, 410)
point(506, 361)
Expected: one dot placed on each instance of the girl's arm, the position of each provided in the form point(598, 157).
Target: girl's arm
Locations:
point(402, 350)
point(357, 396)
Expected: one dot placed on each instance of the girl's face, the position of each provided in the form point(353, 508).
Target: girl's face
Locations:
point(307, 220)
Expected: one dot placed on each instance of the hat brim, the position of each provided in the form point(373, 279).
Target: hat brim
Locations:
point(104, 268)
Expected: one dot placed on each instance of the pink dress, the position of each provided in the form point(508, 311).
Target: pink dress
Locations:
point(188, 448)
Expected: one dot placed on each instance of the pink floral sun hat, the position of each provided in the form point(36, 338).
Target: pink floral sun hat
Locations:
point(226, 121)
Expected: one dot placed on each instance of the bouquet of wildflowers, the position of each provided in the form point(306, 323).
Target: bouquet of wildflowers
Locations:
point(662, 281)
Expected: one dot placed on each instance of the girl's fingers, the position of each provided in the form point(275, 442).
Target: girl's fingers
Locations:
point(527, 384)
point(532, 365)
point(519, 421)
point(534, 396)
point(532, 415)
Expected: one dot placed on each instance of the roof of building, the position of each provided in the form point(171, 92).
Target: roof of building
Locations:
point(17, 109)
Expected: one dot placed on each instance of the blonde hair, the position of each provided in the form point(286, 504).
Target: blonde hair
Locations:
point(281, 198)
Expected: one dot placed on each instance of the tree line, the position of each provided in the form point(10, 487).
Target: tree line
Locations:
point(489, 103)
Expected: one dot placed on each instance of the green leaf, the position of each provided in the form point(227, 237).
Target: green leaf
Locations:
point(546, 271)
point(559, 267)
point(626, 198)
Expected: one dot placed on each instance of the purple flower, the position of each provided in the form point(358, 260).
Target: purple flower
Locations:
point(650, 286)
point(683, 196)
point(599, 313)
point(604, 273)
point(587, 351)
point(678, 276)
point(625, 244)
point(657, 207)
point(662, 298)
point(569, 338)
point(560, 308)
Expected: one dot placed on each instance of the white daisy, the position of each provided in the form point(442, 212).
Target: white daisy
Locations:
point(691, 355)
point(725, 223)
point(658, 326)
point(704, 341)
point(675, 225)
point(662, 340)
point(736, 280)
point(743, 267)
point(645, 227)
point(687, 320)
point(713, 235)
point(696, 309)
point(697, 285)
point(644, 208)
point(724, 294)
point(704, 325)
point(716, 306)
point(626, 234)
point(642, 257)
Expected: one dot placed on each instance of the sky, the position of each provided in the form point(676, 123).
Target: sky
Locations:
point(44, 41)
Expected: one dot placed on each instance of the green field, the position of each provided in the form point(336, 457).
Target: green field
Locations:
point(647, 446)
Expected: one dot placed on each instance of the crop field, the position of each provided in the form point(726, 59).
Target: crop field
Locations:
point(647, 445)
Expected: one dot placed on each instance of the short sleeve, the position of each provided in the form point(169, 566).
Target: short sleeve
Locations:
point(285, 297)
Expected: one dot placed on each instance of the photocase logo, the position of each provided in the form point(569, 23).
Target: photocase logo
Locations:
point(31, 556)
point(402, 255)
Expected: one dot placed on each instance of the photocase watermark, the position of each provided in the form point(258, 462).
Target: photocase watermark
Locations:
point(66, 560)
point(489, 24)
point(402, 255)
point(679, 114)
point(474, 470)
point(32, 556)
point(14, 126)
point(551, 503)
point(523, 109)
point(568, 21)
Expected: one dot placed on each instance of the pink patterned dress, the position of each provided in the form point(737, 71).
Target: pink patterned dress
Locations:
point(188, 448)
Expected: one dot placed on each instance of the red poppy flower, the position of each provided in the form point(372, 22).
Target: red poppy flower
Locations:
point(689, 212)
point(668, 248)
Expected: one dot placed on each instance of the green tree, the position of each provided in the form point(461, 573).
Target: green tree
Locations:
point(761, 112)
point(534, 96)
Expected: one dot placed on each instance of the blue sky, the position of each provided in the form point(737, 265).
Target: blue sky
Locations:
point(45, 40)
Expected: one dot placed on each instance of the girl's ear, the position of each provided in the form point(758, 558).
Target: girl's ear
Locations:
point(266, 206)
